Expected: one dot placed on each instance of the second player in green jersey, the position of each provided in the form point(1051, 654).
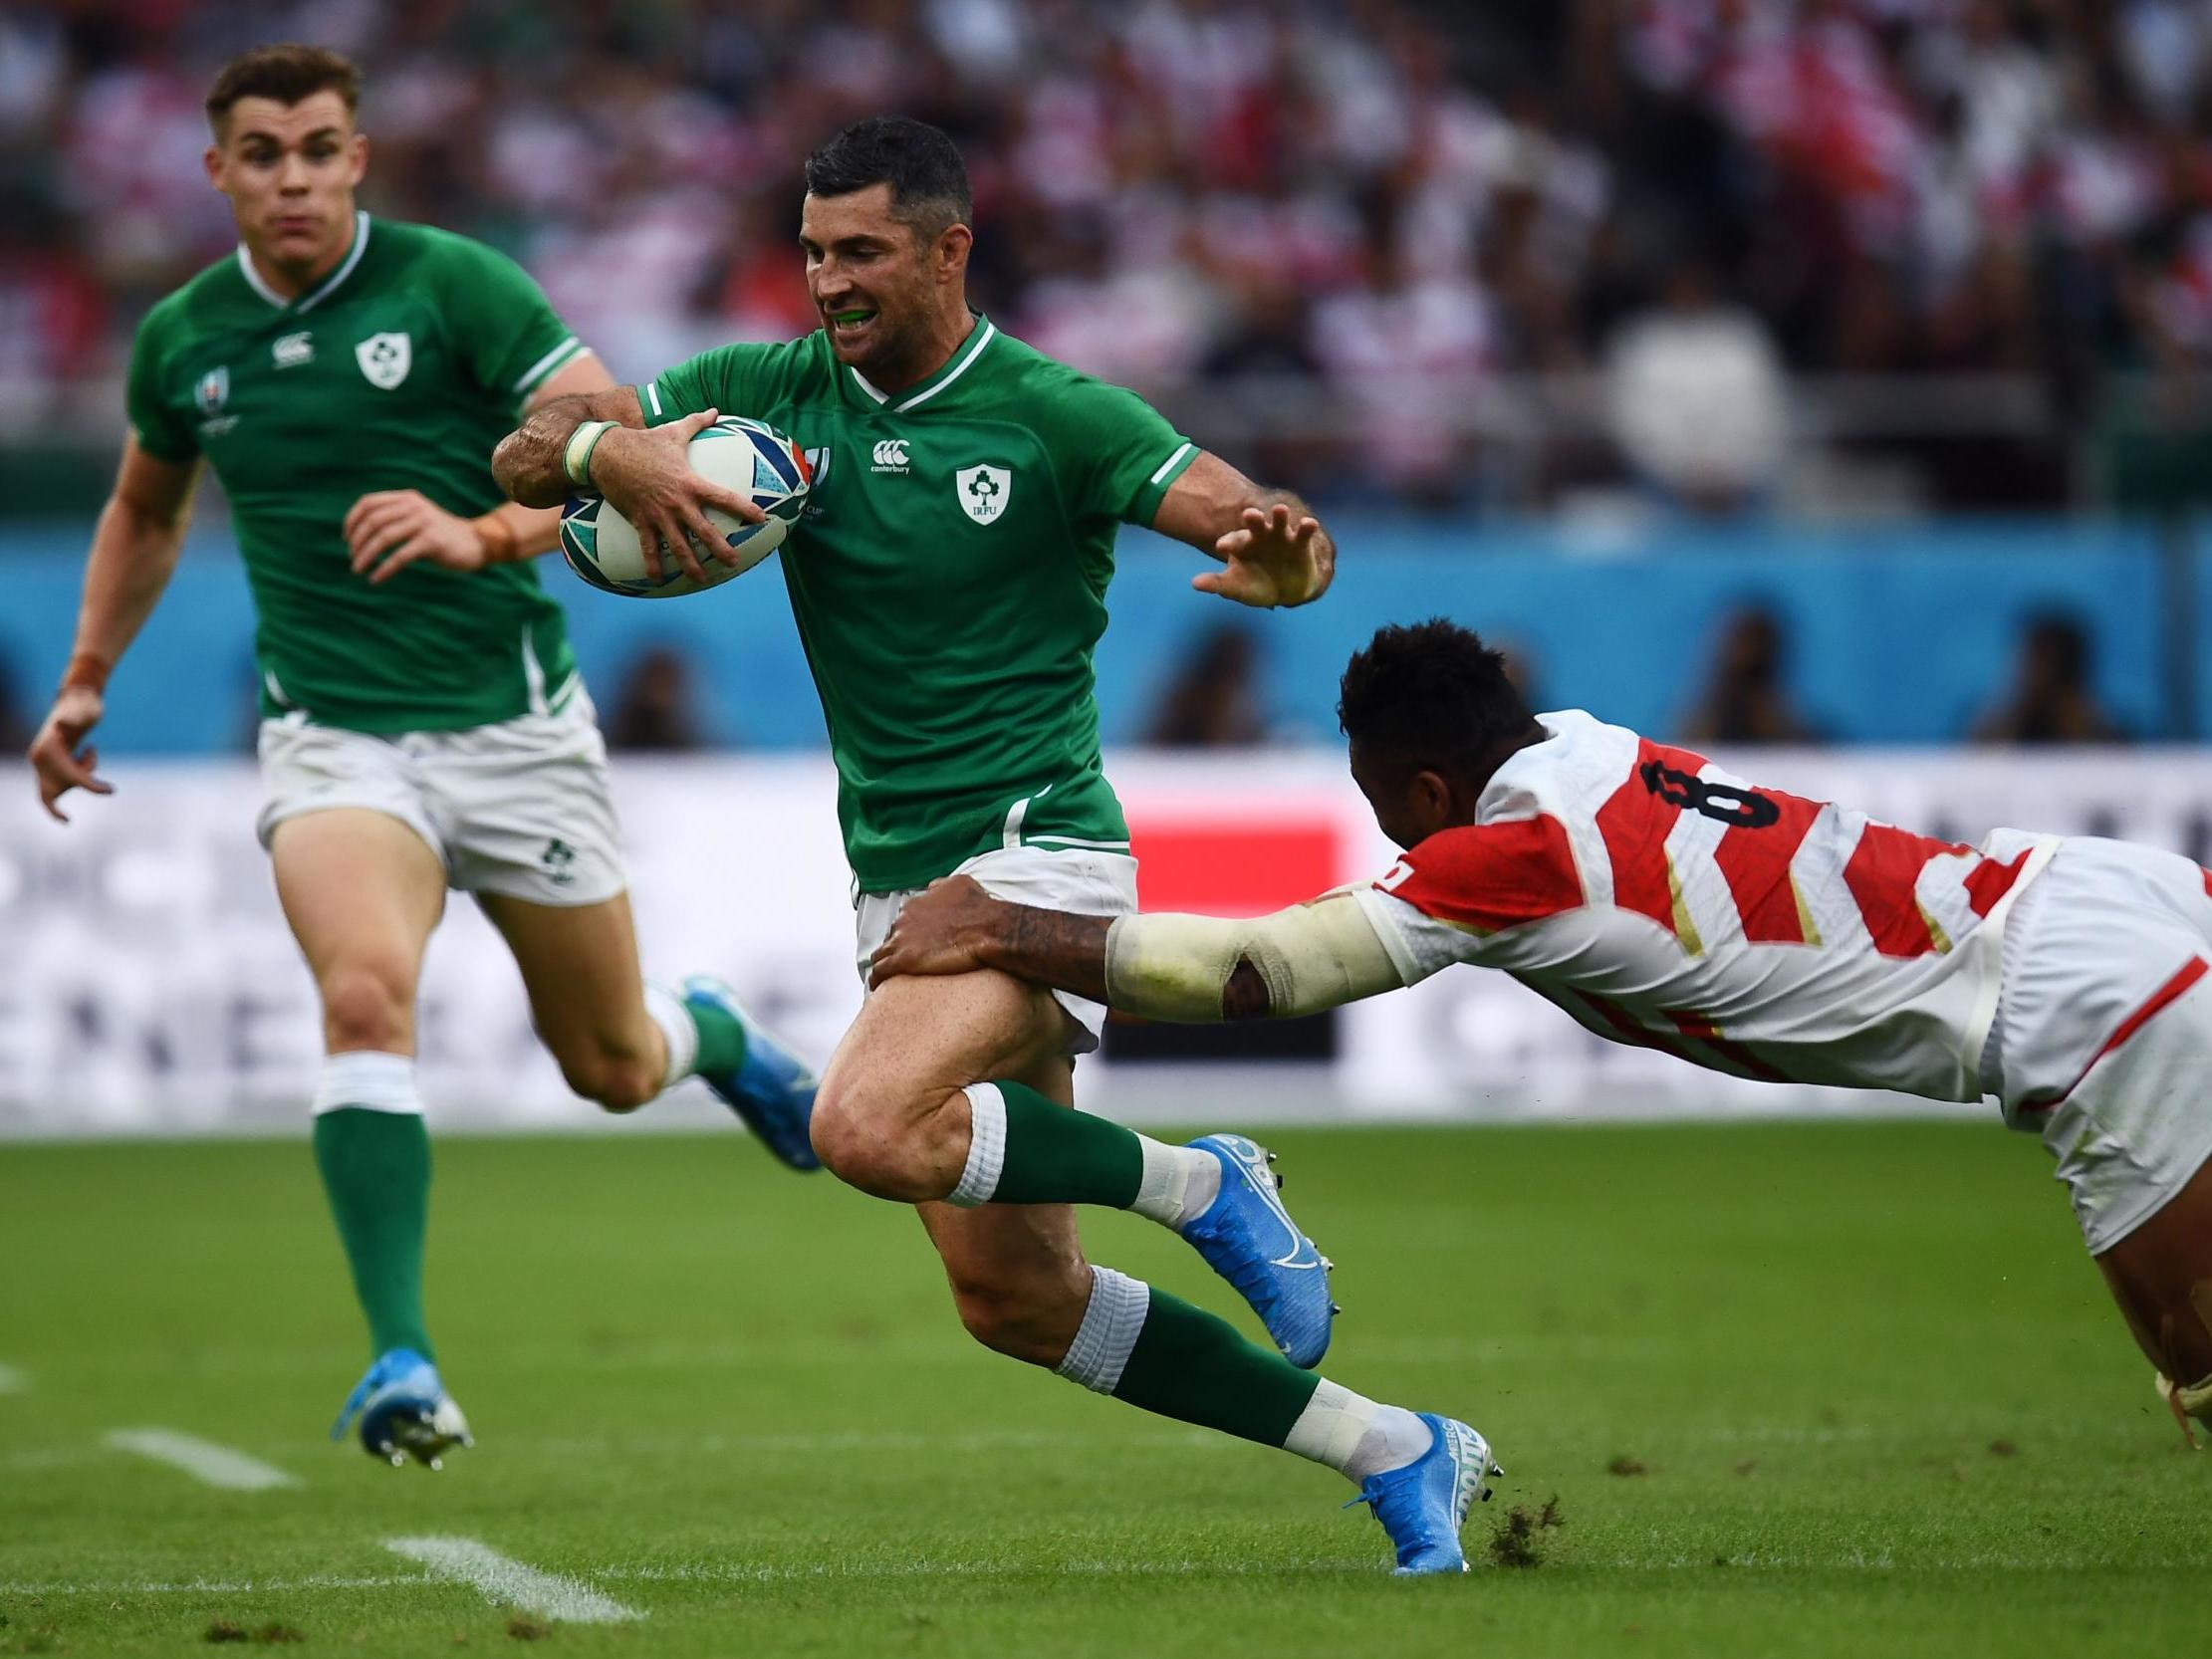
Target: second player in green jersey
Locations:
point(404, 362)
point(423, 727)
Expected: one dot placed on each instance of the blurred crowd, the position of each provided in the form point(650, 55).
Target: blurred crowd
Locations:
point(1216, 697)
point(1693, 203)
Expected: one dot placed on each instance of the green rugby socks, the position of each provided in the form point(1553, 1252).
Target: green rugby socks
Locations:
point(1158, 1352)
point(375, 1156)
point(700, 1035)
point(721, 1037)
point(1023, 1149)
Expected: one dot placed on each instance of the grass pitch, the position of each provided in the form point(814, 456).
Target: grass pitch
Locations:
point(1846, 1389)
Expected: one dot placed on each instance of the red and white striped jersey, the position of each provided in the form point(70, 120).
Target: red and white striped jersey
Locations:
point(1662, 901)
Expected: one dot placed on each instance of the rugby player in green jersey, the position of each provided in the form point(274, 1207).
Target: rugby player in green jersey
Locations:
point(424, 724)
point(950, 580)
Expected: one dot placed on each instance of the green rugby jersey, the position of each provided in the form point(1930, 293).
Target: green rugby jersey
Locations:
point(949, 581)
point(401, 370)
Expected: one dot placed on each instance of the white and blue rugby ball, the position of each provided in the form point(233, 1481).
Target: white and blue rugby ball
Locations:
point(747, 456)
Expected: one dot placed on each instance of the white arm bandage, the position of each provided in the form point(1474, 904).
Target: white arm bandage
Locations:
point(1312, 956)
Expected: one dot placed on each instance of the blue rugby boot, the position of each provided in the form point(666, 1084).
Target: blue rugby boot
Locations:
point(1248, 1238)
point(404, 1411)
point(772, 1090)
point(1424, 1505)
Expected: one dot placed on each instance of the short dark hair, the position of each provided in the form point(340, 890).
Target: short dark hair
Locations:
point(1430, 693)
point(928, 180)
point(287, 74)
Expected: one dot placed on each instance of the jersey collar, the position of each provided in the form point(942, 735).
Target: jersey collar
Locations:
point(957, 366)
point(322, 290)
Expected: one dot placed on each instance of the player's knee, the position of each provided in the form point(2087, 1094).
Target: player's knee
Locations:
point(612, 1075)
point(366, 1005)
point(1032, 1319)
point(853, 1145)
point(868, 1135)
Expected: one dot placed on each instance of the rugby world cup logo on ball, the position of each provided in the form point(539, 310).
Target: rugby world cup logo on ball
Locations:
point(747, 456)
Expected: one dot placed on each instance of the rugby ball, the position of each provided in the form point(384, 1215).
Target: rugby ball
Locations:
point(746, 456)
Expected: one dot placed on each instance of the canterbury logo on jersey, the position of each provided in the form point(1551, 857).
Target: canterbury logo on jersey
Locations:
point(292, 351)
point(891, 455)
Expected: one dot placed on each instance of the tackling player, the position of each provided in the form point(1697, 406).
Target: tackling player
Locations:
point(950, 580)
point(1662, 901)
point(424, 724)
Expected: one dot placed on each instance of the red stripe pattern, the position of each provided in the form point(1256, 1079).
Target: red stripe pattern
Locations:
point(1491, 876)
point(2191, 971)
point(1697, 1026)
point(1634, 824)
point(1756, 865)
point(1625, 1026)
point(1883, 876)
point(1988, 881)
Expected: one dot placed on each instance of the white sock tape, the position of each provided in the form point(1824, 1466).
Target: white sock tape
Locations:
point(368, 1080)
point(668, 1012)
point(1110, 1322)
point(979, 1177)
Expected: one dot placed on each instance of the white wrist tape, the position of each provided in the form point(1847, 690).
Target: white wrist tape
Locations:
point(1310, 956)
point(576, 460)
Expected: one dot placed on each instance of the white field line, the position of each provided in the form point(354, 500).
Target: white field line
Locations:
point(13, 1381)
point(710, 1573)
point(510, 1584)
point(210, 1586)
point(203, 1460)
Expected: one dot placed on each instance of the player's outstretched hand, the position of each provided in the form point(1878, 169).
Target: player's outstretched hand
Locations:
point(648, 478)
point(1273, 558)
point(938, 931)
point(388, 530)
point(55, 754)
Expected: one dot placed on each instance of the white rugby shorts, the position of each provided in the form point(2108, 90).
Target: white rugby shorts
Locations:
point(2104, 1036)
point(1088, 883)
point(521, 808)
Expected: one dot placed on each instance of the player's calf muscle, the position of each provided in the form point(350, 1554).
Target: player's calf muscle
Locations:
point(2161, 1276)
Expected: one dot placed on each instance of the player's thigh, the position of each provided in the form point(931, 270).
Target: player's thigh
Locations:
point(578, 964)
point(362, 892)
point(2161, 1276)
point(919, 1038)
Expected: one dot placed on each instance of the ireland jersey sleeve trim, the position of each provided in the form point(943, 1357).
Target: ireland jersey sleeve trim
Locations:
point(544, 365)
point(1168, 469)
point(1145, 505)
